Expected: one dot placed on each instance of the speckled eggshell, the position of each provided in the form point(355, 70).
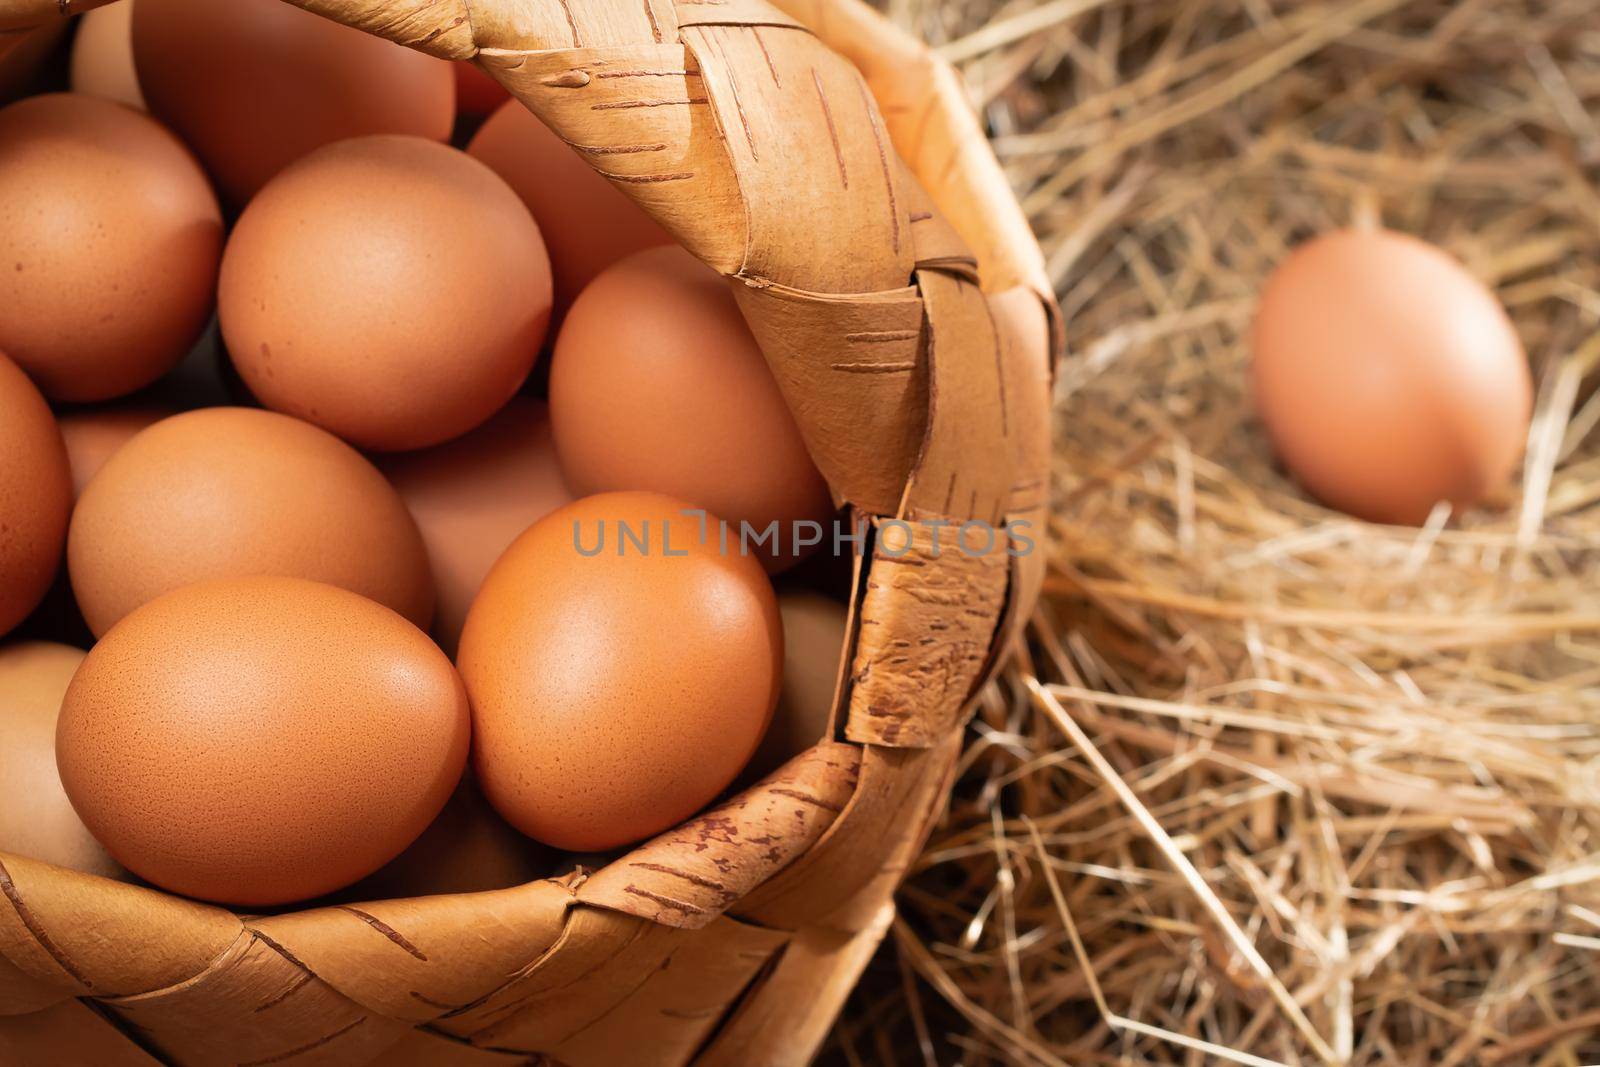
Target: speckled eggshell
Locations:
point(231, 492)
point(615, 695)
point(102, 55)
point(110, 238)
point(587, 223)
point(469, 848)
point(35, 496)
point(262, 740)
point(396, 321)
point(253, 85)
point(1389, 378)
point(36, 818)
point(473, 496)
point(658, 385)
point(94, 435)
point(814, 631)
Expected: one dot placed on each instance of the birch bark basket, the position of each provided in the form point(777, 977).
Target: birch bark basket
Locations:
point(831, 169)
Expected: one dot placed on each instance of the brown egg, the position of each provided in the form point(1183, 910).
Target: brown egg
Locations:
point(253, 85)
point(658, 385)
point(94, 435)
point(476, 92)
point(467, 849)
point(36, 819)
point(25, 56)
point(1389, 378)
point(102, 55)
point(587, 223)
point(814, 632)
point(35, 496)
point(617, 689)
point(473, 496)
point(230, 492)
point(261, 740)
point(396, 321)
point(109, 242)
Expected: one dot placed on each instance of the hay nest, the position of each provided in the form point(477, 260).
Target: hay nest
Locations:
point(1273, 785)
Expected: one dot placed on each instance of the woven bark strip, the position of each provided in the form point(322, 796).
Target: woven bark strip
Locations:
point(69, 1033)
point(424, 1048)
point(927, 625)
point(863, 413)
point(21, 993)
point(888, 277)
point(640, 115)
point(924, 105)
point(690, 875)
point(85, 936)
point(601, 957)
point(256, 1005)
point(757, 82)
point(399, 958)
point(669, 1010)
point(1023, 330)
point(897, 789)
point(789, 1011)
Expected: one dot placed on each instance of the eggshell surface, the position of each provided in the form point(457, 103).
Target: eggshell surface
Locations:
point(658, 385)
point(93, 436)
point(253, 85)
point(102, 55)
point(233, 492)
point(473, 496)
point(1389, 378)
point(261, 740)
point(467, 849)
point(587, 223)
point(616, 694)
point(36, 818)
point(814, 631)
point(110, 238)
point(395, 321)
point(476, 92)
point(35, 496)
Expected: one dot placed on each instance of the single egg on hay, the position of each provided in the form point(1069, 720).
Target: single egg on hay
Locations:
point(253, 85)
point(110, 237)
point(658, 385)
point(621, 668)
point(36, 818)
point(257, 741)
point(587, 223)
point(473, 496)
point(396, 321)
point(233, 492)
point(35, 496)
point(1388, 377)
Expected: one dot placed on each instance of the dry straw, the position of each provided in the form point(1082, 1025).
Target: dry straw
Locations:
point(1273, 785)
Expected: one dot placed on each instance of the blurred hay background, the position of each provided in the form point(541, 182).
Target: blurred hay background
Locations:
point(1273, 785)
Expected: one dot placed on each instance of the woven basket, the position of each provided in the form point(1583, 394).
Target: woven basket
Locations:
point(831, 169)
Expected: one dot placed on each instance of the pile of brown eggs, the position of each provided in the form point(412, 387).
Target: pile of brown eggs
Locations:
point(278, 446)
